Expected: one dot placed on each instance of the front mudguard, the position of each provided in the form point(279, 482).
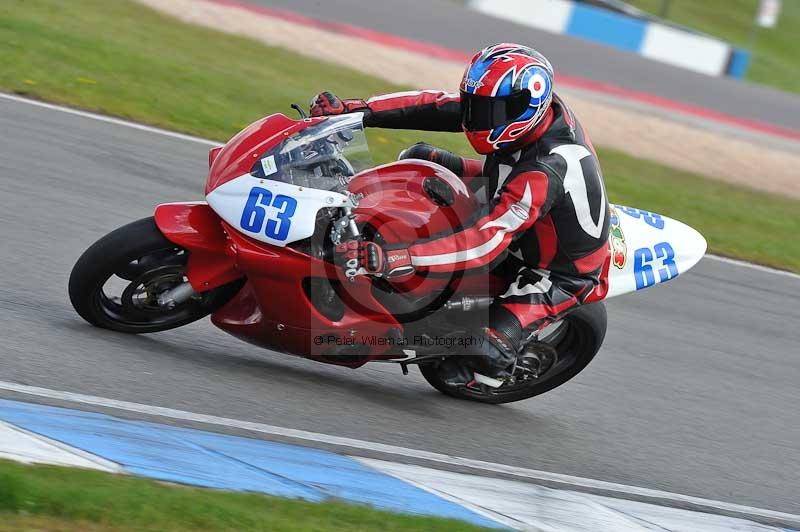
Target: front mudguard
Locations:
point(195, 227)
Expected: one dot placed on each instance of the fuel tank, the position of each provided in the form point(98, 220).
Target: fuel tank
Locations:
point(411, 199)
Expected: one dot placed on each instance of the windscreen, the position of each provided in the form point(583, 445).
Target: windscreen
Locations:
point(323, 156)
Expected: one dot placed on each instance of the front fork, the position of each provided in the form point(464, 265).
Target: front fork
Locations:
point(175, 296)
point(344, 224)
point(195, 227)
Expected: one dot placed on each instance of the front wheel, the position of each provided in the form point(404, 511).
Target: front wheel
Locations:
point(574, 343)
point(117, 281)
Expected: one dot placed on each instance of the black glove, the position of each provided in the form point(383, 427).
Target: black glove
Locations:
point(326, 103)
point(426, 152)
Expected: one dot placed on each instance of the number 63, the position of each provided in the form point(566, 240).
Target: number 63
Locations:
point(254, 213)
point(643, 268)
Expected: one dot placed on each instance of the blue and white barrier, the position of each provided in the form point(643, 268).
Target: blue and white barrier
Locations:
point(653, 40)
point(35, 433)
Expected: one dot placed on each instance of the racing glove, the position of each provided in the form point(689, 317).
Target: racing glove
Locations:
point(426, 152)
point(461, 166)
point(326, 103)
point(360, 257)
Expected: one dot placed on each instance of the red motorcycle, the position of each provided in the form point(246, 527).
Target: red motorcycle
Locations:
point(258, 256)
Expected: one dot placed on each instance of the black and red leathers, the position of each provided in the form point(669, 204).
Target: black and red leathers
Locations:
point(544, 220)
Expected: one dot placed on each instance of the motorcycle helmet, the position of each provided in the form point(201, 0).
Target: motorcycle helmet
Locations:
point(505, 93)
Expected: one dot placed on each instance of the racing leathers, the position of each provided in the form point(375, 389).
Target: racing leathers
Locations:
point(545, 217)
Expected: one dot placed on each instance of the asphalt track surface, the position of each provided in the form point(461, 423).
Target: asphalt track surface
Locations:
point(695, 391)
point(449, 23)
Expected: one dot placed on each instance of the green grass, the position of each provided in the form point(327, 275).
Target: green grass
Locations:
point(737, 222)
point(58, 498)
point(122, 59)
point(776, 59)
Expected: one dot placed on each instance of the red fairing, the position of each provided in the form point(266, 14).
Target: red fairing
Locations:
point(237, 157)
point(196, 228)
point(212, 154)
point(273, 309)
point(404, 201)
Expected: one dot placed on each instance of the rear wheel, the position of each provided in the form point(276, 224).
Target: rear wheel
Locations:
point(563, 353)
point(117, 281)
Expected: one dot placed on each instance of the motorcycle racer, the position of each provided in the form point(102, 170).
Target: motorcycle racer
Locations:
point(545, 216)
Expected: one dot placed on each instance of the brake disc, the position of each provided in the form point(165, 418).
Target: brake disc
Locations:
point(151, 284)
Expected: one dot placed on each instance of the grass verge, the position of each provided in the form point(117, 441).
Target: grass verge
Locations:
point(58, 498)
point(123, 59)
point(775, 58)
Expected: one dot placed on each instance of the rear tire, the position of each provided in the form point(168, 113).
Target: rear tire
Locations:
point(139, 253)
point(586, 330)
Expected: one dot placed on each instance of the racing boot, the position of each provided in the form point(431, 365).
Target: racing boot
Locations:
point(492, 359)
point(495, 357)
point(454, 371)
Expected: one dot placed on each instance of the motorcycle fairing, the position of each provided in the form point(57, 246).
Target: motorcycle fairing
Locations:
point(237, 156)
point(271, 211)
point(395, 200)
point(195, 227)
point(274, 310)
point(287, 171)
point(649, 249)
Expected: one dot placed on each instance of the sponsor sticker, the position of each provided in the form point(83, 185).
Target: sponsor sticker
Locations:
point(268, 165)
point(519, 211)
point(394, 257)
point(472, 83)
point(619, 249)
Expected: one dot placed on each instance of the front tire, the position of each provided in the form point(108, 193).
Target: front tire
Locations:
point(139, 257)
point(585, 330)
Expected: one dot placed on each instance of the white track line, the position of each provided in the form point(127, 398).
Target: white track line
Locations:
point(392, 450)
point(109, 120)
point(208, 142)
point(759, 267)
point(27, 447)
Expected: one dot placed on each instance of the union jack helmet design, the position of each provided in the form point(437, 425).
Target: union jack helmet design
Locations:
point(506, 91)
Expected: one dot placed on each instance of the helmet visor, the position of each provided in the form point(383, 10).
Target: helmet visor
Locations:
point(482, 113)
